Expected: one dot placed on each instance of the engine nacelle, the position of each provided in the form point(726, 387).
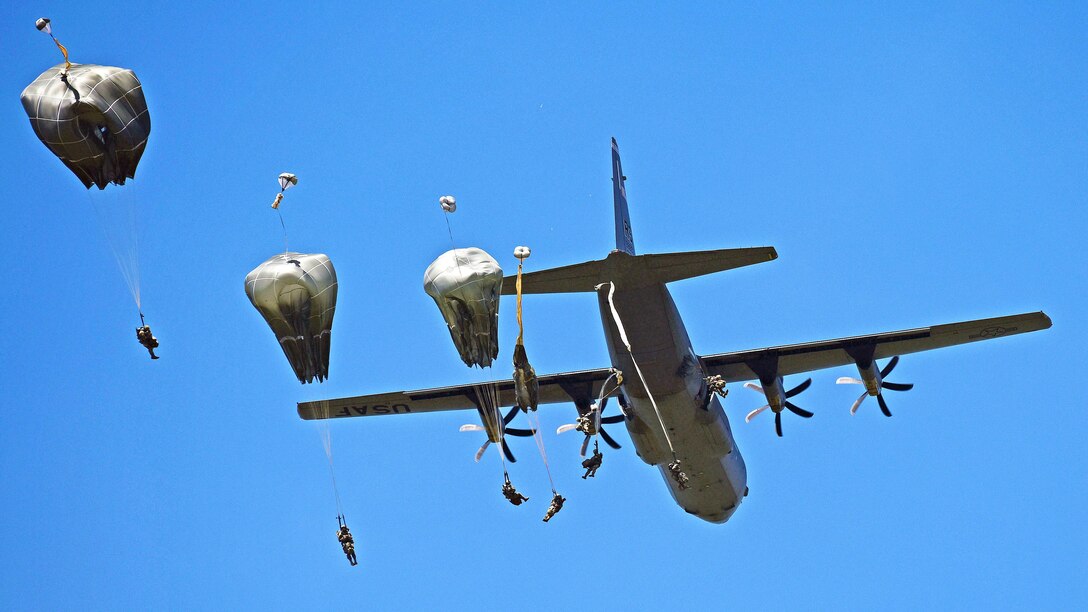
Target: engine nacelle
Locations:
point(775, 392)
point(871, 377)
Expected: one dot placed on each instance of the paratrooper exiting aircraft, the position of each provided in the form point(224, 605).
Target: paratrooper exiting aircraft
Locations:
point(670, 411)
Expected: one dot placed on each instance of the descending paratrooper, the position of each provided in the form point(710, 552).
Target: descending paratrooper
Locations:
point(554, 507)
point(343, 535)
point(96, 121)
point(511, 494)
point(593, 463)
point(148, 341)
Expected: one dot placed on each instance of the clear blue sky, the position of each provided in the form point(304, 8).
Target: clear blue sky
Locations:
point(912, 165)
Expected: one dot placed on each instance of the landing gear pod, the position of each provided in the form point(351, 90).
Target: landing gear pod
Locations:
point(466, 283)
point(94, 118)
point(296, 295)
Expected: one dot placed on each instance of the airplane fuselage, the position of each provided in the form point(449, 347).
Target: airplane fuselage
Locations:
point(698, 429)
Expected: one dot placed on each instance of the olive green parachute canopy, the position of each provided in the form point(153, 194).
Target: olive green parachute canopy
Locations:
point(466, 283)
point(94, 118)
point(296, 294)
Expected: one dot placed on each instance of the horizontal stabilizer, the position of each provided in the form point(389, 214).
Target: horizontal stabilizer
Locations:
point(637, 270)
point(669, 267)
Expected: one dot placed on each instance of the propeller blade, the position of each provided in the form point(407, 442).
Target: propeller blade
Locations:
point(897, 386)
point(618, 418)
point(891, 366)
point(506, 451)
point(480, 453)
point(566, 428)
point(778, 423)
point(847, 380)
point(748, 419)
point(471, 427)
point(883, 406)
point(857, 404)
point(608, 439)
point(510, 415)
point(753, 387)
point(801, 412)
point(520, 433)
point(585, 445)
point(799, 388)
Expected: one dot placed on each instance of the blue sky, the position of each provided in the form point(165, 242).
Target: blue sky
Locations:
point(912, 165)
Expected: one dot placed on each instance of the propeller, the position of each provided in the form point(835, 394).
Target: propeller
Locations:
point(521, 433)
point(874, 385)
point(591, 423)
point(777, 400)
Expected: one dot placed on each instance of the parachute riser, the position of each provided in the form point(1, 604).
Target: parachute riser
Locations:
point(43, 26)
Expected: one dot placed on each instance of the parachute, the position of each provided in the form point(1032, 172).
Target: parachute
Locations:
point(296, 295)
point(287, 181)
point(94, 118)
point(466, 283)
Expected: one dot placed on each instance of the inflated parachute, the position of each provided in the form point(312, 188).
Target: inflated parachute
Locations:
point(296, 294)
point(466, 283)
point(287, 181)
point(94, 118)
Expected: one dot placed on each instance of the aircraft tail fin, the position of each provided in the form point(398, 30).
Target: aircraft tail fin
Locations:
point(625, 241)
point(637, 270)
point(625, 268)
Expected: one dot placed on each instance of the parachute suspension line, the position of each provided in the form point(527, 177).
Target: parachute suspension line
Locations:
point(521, 326)
point(627, 344)
point(284, 226)
point(43, 25)
point(122, 237)
point(617, 376)
point(535, 427)
point(134, 256)
point(614, 375)
point(489, 398)
point(449, 228)
point(286, 180)
point(449, 205)
point(325, 432)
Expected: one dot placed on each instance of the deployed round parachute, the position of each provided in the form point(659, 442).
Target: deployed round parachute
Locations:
point(94, 118)
point(296, 294)
point(466, 283)
point(287, 181)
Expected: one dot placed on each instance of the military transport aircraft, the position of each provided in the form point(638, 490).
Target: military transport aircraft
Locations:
point(665, 384)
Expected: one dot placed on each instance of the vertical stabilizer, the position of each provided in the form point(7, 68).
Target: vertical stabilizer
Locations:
point(624, 240)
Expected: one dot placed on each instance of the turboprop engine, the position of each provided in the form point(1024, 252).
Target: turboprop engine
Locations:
point(777, 400)
point(873, 379)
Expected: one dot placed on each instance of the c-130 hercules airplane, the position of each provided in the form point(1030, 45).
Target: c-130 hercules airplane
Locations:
point(670, 411)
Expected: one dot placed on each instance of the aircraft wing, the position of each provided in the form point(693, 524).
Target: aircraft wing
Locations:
point(796, 358)
point(733, 367)
point(554, 388)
